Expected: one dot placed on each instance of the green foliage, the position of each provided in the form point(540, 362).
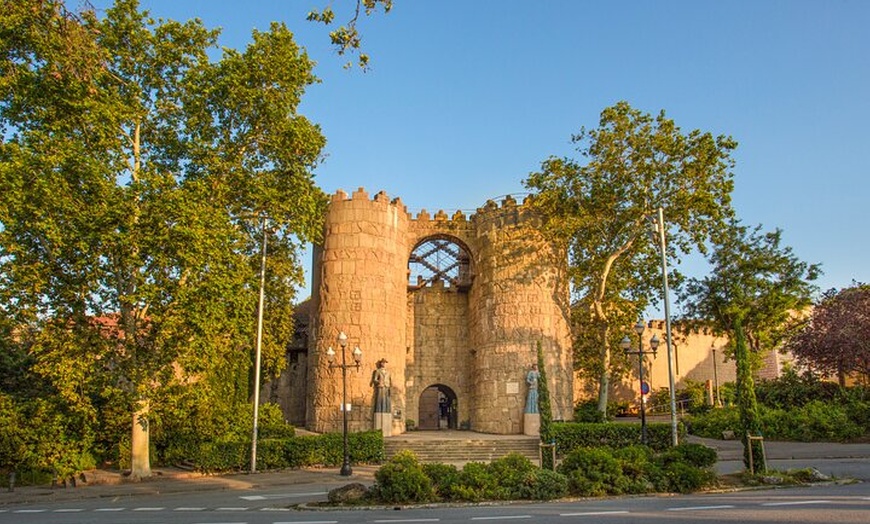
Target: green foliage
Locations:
point(593, 472)
point(571, 435)
point(713, 423)
point(602, 471)
point(600, 209)
point(444, 477)
point(683, 478)
point(544, 408)
point(346, 38)
point(543, 484)
point(133, 169)
point(402, 480)
point(815, 421)
point(510, 477)
point(791, 390)
point(587, 411)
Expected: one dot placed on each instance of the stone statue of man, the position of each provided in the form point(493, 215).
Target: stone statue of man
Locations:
point(381, 383)
point(532, 398)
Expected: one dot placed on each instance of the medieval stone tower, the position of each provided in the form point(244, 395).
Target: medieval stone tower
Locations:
point(456, 305)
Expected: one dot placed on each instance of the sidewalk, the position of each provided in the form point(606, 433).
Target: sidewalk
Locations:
point(111, 483)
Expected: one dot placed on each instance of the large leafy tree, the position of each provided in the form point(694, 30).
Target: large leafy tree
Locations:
point(835, 339)
point(754, 289)
point(133, 174)
point(602, 208)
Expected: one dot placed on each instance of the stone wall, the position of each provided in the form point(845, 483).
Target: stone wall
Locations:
point(477, 339)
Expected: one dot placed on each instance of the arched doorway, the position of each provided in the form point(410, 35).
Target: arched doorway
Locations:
point(438, 408)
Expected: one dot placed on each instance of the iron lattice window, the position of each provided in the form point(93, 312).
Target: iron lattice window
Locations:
point(439, 260)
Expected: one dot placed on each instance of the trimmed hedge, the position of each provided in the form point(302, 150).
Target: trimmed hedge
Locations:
point(294, 452)
point(572, 435)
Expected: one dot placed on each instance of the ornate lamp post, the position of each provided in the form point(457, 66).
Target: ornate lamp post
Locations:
point(626, 347)
point(346, 470)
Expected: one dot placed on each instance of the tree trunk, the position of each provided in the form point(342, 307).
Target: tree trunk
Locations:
point(746, 401)
point(604, 379)
point(140, 457)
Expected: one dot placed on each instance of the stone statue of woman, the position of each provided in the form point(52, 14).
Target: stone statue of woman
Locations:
point(381, 383)
point(532, 398)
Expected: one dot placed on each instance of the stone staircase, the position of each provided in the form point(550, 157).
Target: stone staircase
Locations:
point(467, 446)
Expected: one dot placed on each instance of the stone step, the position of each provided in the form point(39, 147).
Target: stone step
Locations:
point(463, 450)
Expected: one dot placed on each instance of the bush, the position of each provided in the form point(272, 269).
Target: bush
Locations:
point(510, 473)
point(543, 484)
point(476, 483)
point(814, 421)
point(444, 477)
point(402, 480)
point(587, 411)
point(572, 435)
point(684, 478)
point(593, 472)
point(697, 455)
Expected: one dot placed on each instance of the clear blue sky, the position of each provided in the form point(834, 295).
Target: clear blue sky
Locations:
point(466, 97)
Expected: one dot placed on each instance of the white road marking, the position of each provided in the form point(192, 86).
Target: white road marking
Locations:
point(29, 511)
point(503, 517)
point(593, 513)
point(307, 522)
point(232, 509)
point(274, 509)
point(796, 503)
point(148, 509)
point(110, 509)
point(282, 495)
point(188, 509)
point(702, 508)
point(388, 521)
point(68, 510)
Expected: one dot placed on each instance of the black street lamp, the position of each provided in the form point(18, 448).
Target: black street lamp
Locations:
point(626, 347)
point(346, 470)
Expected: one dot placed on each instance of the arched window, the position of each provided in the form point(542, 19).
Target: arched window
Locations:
point(439, 260)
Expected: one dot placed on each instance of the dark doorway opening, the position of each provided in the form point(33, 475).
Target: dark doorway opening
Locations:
point(438, 408)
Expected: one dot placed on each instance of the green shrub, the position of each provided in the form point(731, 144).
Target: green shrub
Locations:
point(684, 478)
point(510, 472)
point(444, 477)
point(572, 435)
point(697, 455)
point(543, 484)
point(402, 480)
point(271, 423)
point(714, 422)
point(587, 411)
point(476, 483)
point(593, 472)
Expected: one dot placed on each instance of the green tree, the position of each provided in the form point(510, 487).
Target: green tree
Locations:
point(602, 208)
point(133, 172)
point(755, 287)
point(346, 38)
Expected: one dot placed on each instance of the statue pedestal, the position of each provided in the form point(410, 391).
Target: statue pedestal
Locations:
point(384, 422)
point(532, 424)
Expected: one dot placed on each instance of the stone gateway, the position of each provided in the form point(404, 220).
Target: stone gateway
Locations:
point(456, 305)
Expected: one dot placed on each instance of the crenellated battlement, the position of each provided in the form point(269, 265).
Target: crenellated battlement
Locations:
point(498, 214)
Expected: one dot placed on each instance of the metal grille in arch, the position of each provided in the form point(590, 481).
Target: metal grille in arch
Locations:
point(439, 260)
